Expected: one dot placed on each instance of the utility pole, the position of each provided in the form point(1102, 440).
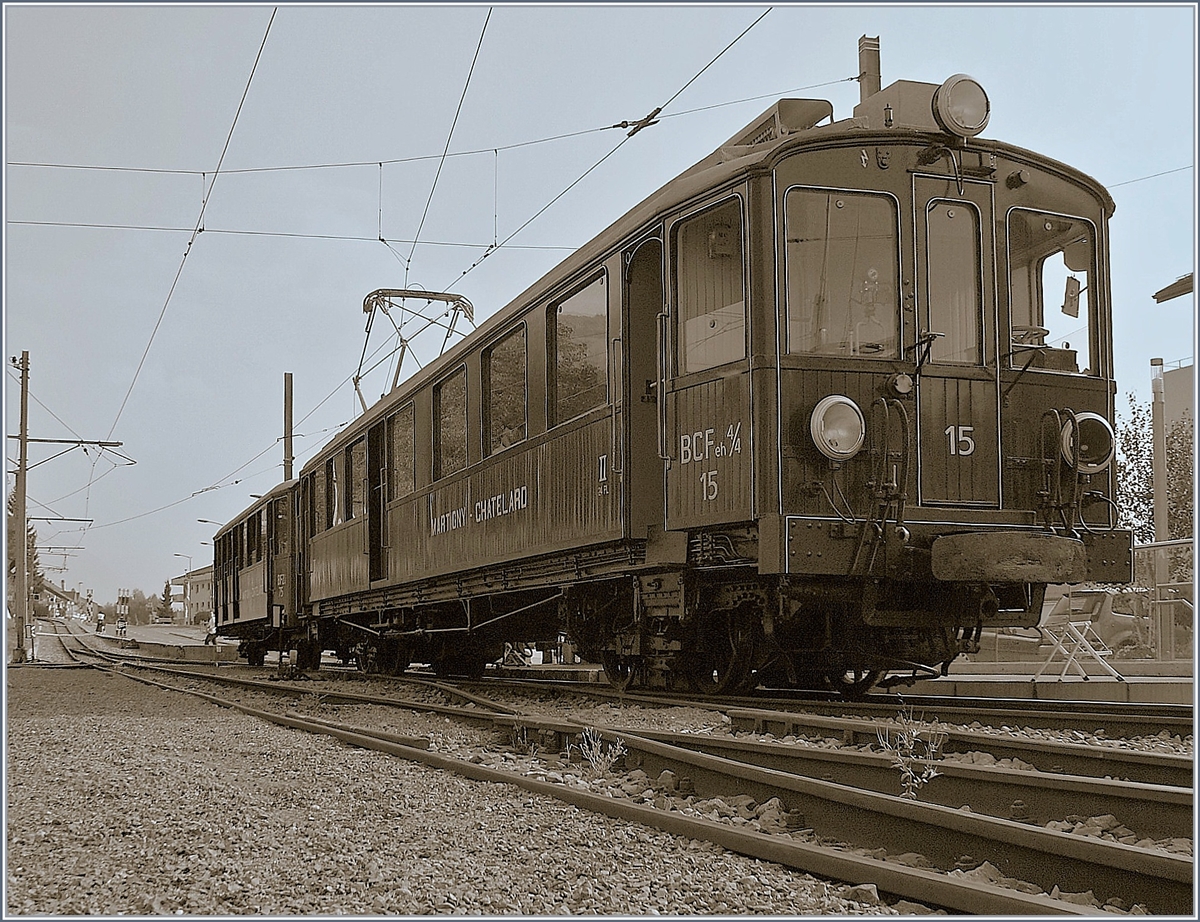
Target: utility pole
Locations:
point(1164, 614)
point(288, 457)
point(20, 508)
point(22, 599)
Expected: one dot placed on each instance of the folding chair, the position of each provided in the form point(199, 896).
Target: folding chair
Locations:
point(1071, 631)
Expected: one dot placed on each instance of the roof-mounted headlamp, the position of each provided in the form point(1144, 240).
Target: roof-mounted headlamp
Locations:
point(961, 107)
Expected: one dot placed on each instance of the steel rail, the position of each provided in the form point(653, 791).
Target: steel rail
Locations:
point(1133, 719)
point(1117, 719)
point(1048, 858)
point(1045, 755)
point(1159, 811)
point(283, 688)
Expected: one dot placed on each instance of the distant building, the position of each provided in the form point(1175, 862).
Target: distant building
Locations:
point(197, 594)
point(1179, 381)
point(1179, 394)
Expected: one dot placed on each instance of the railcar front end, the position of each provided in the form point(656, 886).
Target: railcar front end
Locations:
point(928, 400)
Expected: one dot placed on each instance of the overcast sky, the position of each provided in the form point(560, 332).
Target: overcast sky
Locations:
point(146, 96)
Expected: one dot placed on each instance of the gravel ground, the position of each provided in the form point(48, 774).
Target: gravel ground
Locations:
point(124, 799)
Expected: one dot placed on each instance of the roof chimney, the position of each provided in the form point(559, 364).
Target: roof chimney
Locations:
point(868, 67)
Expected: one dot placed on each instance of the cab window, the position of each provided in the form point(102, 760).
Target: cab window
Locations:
point(842, 273)
point(1051, 308)
point(710, 289)
point(333, 503)
point(954, 288)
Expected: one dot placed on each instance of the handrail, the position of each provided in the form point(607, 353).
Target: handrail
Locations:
point(1174, 542)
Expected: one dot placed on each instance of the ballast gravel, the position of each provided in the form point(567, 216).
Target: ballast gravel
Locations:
point(129, 800)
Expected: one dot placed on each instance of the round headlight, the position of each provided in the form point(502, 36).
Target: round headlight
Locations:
point(1097, 442)
point(961, 107)
point(837, 428)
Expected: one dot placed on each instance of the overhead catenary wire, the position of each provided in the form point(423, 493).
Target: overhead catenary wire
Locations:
point(196, 231)
point(637, 126)
point(446, 149)
point(417, 158)
point(252, 233)
point(33, 397)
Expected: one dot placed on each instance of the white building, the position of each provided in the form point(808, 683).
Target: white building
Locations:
point(197, 588)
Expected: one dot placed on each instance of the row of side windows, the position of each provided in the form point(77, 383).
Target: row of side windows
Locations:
point(711, 331)
point(577, 381)
point(577, 373)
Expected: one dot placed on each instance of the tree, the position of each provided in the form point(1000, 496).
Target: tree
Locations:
point(1135, 471)
point(140, 608)
point(33, 564)
point(164, 605)
point(1181, 488)
point(1135, 482)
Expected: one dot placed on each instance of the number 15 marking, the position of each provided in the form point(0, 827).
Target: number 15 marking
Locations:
point(960, 440)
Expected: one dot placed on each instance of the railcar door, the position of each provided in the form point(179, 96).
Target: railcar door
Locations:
point(377, 564)
point(704, 362)
point(644, 304)
point(958, 421)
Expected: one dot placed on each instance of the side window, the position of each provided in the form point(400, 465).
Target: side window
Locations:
point(356, 477)
point(578, 350)
point(1050, 260)
point(333, 504)
point(710, 289)
point(504, 392)
point(955, 295)
point(400, 438)
point(450, 425)
point(842, 271)
point(254, 536)
point(280, 521)
point(317, 501)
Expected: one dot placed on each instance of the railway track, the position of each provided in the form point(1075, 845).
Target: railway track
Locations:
point(838, 817)
point(1116, 721)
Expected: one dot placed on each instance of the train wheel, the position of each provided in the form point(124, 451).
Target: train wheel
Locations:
point(724, 650)
point(617, 669)
point(256, 655)
point(851, 682)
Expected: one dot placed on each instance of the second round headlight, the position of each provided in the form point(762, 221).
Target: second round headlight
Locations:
point(1097, 442)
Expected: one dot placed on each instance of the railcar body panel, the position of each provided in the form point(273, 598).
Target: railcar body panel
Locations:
point(339, 560)
point(531, 500)
point(709, 480)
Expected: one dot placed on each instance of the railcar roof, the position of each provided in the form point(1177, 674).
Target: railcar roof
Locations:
point(273, 493)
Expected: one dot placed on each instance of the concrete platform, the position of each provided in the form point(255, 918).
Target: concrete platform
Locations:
point(1142, 682)
point(167, 641)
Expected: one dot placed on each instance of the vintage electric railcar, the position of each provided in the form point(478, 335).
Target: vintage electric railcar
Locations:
point(817, 411)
